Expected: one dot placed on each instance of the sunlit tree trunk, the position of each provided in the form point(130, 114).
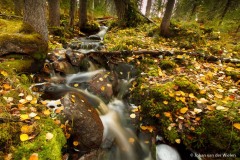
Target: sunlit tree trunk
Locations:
point(72, 9)
point(18, 7)
point(35, 15)
point(54, 12)
point(148, 8)
point(164, 28)
point(140, 3)
point(82, 14)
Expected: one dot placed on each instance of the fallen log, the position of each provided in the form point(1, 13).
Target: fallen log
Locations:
point(154, 53)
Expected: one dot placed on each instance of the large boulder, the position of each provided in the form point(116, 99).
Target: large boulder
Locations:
point(82, 122)
point(19, 38)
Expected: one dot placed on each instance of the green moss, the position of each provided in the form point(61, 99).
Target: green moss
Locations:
point(219, 133)
point(91, 27)
point(167, 64)
point(185, 85)
point(7, 139)
point(18, 65)
point(46, 149)
point(233, 74)
point(21, 38)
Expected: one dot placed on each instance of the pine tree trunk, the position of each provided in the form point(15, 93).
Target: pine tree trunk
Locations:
point(35, 15)
point(72, 9)
point(148, 8)
point(54, 13)
point(120, 7)
point(82, 14)
point(164, 28)
point(225, 11)
point(18, 7)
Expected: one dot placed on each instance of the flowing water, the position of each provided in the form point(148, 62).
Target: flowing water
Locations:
point(119, 138)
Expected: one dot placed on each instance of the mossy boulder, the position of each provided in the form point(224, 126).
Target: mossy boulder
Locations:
point(45, 148)
point(16, 37)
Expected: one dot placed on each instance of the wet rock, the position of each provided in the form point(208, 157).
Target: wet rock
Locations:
point(75, 58)
point(64, 67)
point(86, 127)
point(101, 85)
point(50, 90)
point(94, 37)
point(94, 155)
point(125, 71)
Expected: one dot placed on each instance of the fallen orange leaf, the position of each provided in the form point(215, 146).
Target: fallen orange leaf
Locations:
point(237, 125)
point(34, 156)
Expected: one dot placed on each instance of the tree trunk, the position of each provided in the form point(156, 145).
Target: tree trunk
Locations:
point(194, 9)
point(228, 4)
point(72, 12)
point(54, 13)
point(121, 7)
point(164, 28)
point(148, 8)
point(18, 7)
point(128, 13)
point(82, 14)
point(35, 15)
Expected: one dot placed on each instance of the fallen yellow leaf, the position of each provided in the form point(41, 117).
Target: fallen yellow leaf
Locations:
point(165, 102)
point(46, 112)
point(75, 143)
point(131, 140)
point(191, 95)
point(183, 110)
point(23, 137)
point(4, 73)
point(102, 88)
point(178, 141)
point(24, 117)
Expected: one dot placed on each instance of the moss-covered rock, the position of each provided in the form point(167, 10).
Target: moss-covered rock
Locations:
point(16, 37)
point(46, 149)
point(167, 64)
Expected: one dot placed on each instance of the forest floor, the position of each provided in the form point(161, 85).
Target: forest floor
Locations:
point(188, 99)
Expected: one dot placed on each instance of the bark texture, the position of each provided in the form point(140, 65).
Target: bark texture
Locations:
point(54, 13)
point(82, 14)
point(148, 8)
point(73, 4)
point(164, 28)
point(35, 15)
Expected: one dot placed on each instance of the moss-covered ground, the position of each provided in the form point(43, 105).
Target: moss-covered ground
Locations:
point(181, 97)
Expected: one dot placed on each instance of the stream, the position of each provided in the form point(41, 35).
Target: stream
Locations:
point(96, 111)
